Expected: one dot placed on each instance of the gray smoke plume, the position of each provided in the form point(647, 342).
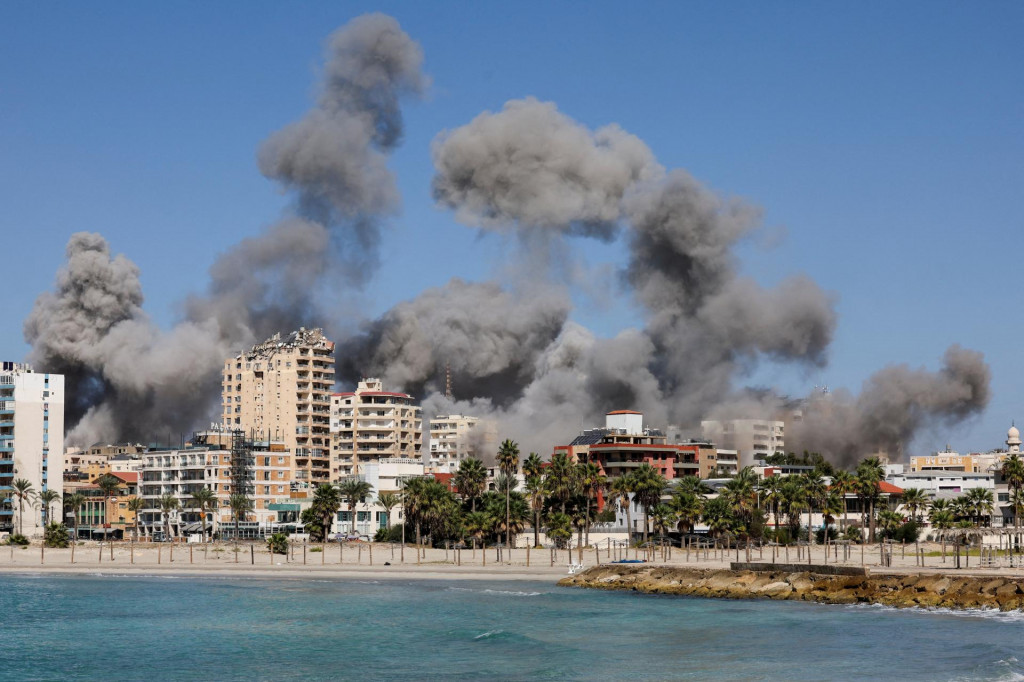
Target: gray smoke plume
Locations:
point(893, 405)
point(530, 166)
point(490, 338)
point(131, 380)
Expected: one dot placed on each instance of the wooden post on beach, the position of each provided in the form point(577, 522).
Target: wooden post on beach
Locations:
point(100, 559)
point(527, 555)
point(42, 554)
point(483, 555)
point(159, 554)
point(597, 556)
point(72, 551)
point(359, 554)
point(458, 557)
point(552, 555)
point(303, 552)
point(190, 554)
point(132, 559)
point(111, 550)
point(172, 552)
point(418, 556)
point(369, 547)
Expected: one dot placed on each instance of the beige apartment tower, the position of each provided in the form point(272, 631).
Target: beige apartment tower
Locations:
point(369, 425)
point(280, 391)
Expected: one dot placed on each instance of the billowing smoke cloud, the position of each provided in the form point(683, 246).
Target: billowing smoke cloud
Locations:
point(131, 380)
point(490, 338)
point(893, 405)
point(530, 169)
point(517, 358)
point(530, 166)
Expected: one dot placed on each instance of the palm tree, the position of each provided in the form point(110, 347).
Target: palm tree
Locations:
point(533, 470)
point(389, 501)
point(915, 501)
point(981, 502)
point(560, 478)
point(508, 462)
point(136, 505)
point(355, 492)
point(240, 505)
point(74, 502)
point(326, 503)
point(204, 499)
point(47, 498)
point(477, 523)
point(168, 503)
point(687, 508)
point(23, 492)
point(662, 516)
point(718, 516)
point(794, 498)
point(814, 485)
point(471, 480)
point(621, 488)
point(889, 520)
point(649, 484)
point(1013, 472)
point(830, 506)
point(592, 481)
point(869, 474)
point(110, 486)
point(843, 482)
point(771, 494)
point(413, 502)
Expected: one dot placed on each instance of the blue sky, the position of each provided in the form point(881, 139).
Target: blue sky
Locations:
point(886, 140)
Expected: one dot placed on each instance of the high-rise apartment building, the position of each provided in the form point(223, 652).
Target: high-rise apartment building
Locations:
point(31, 440)
point(280, 390)
point(455, 437)
point(370, 424)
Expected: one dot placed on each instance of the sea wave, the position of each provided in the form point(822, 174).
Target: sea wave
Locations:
point(488, 634)
point(510, 593)
point(992, 614)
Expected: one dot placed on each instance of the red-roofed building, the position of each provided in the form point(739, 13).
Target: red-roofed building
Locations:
point(625, 444)
point(371, 424)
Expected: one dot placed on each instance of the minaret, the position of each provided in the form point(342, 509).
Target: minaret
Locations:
point(1013, 439)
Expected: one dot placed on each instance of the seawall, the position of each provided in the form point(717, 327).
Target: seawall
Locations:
point(924, 590)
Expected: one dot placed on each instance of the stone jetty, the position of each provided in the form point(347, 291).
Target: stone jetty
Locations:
point(916, 590)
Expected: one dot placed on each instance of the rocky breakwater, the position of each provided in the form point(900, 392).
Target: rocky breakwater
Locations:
point(925, 590)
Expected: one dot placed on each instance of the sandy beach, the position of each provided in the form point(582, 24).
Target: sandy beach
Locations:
point(384, 561)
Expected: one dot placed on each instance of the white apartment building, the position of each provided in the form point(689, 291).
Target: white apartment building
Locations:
point(31, 439)
point(455, 437)
point(371, 424)
point(208, 465)
point(279, 390)
point(752, 439)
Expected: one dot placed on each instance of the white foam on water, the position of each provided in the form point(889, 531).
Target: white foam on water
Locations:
point(489, 633)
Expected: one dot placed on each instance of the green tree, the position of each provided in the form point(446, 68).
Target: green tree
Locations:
point(55, 535)
point(204, 499)
point(649, 484)
point(477, 523)
point(915, 501)
point(663, 517)
point(718, 515)
point(389, 501)
point(325, 506)
point(621, 488)
point(982, 504)
point(136, 505)
point(559, 528)
point(278, 544)
point(75, 502)
point(687, 507)
point(110, 487)
point(508, 462)
point(47, 498)
point(1012, 471)
point(592, 481)
point(814, 493)
point(414, 503)
point(869, 475)
point(890, 521)
point(240, 506)
point(471, 480)
point(560, 479)
point(355, 492)
point(533, 470)
point(771, 495)
point(23, 492)
point(843, 483)
point(168, 503)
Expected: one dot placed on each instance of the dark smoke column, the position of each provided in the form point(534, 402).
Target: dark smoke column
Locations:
point(127, 378)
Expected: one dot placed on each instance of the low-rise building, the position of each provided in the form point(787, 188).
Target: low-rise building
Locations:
point(455, 437)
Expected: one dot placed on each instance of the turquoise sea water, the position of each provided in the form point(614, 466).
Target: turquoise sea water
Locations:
point(163, 628)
